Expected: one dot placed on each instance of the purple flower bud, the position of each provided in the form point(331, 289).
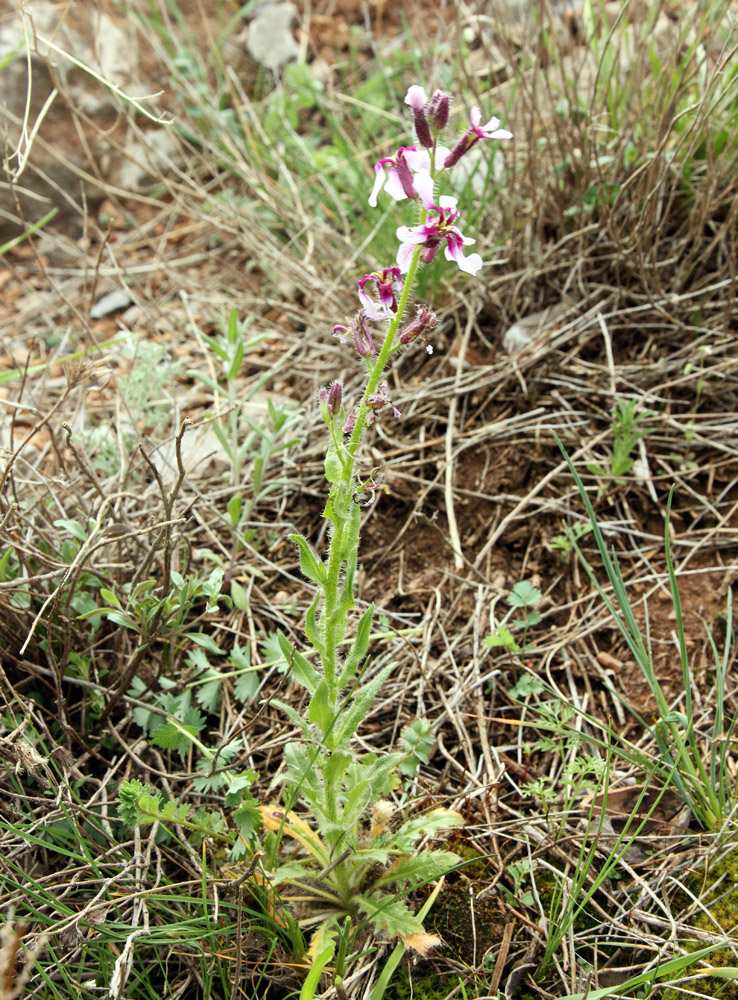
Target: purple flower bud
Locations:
point(417, 100)
point(334, 398)
point(350, 421)
point(464, 144)
point(363, 340)
point(438, 109)
point(404, 175)
point(423, 323)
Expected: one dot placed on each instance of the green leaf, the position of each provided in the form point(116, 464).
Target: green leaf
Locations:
point(390, 914)
point(527, 684)
point(239, 595)
point(206, 641)
point(311, 627)
point(211, 587)
point(359, 647)
point(292, 715)
point(302, 671)
point(426, 825)
point(524, 595)
point(247, 819)
point(234, 509)
point(501, 637)
point(310, 986)
point(320, 710)
point(236, 362)
point(209, 782)
point(140, 590)
point(74, 528)
point(422, 867)
point(128, 795)
point(334, 771)
point(110, 598)
point(118, 618)
point(311, 566)
point(333, 465)
point(246, 686)
point(179, 735)
point(357, 710)
point(208, 695)
point(237, 785)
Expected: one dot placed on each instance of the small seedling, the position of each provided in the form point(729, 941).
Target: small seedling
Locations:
point(523, 596)
point(627, 431)
point(562, 543)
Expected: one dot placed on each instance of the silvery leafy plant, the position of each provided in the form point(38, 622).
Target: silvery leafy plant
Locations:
point(351, 862)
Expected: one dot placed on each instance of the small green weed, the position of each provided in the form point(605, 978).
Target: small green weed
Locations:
point(524, 596)
point(627, 431)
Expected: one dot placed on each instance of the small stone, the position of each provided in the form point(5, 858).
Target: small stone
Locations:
point(270, 40)
point(121, 298)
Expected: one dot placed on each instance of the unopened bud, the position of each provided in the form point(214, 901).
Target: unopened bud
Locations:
point(405, 176)
point(417, 100)
point(334, 398)
point(423, 323)
point(363, 340)
point(464, 144)
point(438, 110)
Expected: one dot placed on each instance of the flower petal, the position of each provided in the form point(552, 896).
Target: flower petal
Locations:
point(416, 98)
point(470, 264)
point(371, 308)
point(424, 186)
point(404, 256)
point(416, 159)
point(394, 187)
point(379, 180)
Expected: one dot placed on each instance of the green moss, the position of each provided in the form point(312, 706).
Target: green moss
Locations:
point(407, 985)
point(717, 890)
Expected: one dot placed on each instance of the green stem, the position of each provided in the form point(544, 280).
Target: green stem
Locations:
point(342, 494)
point(382, 358)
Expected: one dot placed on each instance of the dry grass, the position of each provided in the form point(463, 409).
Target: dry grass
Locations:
point(618, 207)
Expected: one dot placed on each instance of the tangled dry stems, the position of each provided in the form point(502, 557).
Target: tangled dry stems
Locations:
point(477, 493)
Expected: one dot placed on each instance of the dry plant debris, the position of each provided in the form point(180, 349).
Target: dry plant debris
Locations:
point(613, 223)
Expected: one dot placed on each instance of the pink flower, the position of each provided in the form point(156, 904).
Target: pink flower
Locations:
point(438, 228)
point(395, 173)
point(491, 130)
point(389, 287)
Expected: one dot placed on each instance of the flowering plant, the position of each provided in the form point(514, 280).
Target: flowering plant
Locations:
point(351, 869)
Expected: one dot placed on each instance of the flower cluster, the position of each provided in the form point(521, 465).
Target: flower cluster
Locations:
point(412, 173)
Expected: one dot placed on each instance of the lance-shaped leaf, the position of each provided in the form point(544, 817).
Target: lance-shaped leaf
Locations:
point(321, 709)
point(310, 565)
point(427, 825)
point(357, 710)
point(358, 649)
point(302, 671)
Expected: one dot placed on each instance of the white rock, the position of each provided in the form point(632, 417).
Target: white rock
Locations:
point(121, 298)
point(522, 334)
point(270, 40)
